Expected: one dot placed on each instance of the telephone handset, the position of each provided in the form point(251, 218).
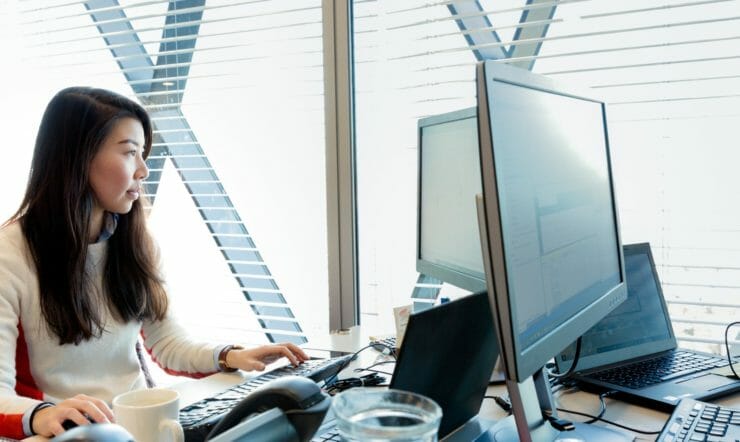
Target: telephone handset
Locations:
point(300, 399)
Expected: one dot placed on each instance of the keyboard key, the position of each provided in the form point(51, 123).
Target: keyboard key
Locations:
point(715, 424)
point(197, 419)
point(652, 371)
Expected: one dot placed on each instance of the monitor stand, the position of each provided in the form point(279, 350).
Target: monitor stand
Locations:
point(506, 431)
point(527, 424)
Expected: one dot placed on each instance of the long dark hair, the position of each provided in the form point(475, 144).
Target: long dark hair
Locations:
point(55, 219)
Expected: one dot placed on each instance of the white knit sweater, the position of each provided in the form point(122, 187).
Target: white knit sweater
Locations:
point(35, 368)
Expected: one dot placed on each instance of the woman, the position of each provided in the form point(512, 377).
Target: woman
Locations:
point(79, 280)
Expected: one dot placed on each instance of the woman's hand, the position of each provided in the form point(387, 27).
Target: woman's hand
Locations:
point(257, 358)
point(48, 421)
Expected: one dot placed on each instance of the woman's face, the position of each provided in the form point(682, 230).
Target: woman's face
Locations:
point(118, 169)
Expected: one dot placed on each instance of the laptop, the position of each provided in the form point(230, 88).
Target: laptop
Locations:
point(633, 350)
point(448, 354)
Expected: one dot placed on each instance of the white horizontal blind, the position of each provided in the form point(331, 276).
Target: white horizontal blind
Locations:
point(671, 73)
point(235, 91)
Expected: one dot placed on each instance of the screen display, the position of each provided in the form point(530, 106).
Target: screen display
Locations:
point(449, 181)
point(636, 324)
point(558, 225)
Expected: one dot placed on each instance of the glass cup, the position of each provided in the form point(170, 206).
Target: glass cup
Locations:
point(372, 415)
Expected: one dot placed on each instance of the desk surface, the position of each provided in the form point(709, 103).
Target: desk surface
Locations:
point(349, 341)
point(618, 411)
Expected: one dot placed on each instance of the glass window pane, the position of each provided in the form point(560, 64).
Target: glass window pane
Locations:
point(672, 78)
point(237, 174)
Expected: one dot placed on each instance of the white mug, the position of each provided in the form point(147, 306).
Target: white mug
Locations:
point(150, 415)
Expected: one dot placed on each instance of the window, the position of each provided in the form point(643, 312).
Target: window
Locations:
point(237, 175)
point(671, 73)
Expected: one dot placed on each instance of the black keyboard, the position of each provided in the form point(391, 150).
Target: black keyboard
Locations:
point(385, 345)
point(664, 368)
point(694, 421)
point(198, 419)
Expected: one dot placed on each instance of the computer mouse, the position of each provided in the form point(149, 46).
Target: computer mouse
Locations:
point(95, 433)
point(69, 424)
point(300, 399)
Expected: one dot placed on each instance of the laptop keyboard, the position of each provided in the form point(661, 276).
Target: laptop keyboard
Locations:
point(697, 421)
point(199, 418)
point(661, 369)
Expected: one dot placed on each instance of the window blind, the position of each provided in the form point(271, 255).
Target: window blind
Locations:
point(671, 73)
point(219, 79)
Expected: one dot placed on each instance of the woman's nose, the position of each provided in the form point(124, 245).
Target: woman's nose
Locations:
point(142, 172)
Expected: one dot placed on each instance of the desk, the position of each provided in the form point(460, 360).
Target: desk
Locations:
point(632, 415)
point(618, 411)
point(356, 338)
point(349, 341)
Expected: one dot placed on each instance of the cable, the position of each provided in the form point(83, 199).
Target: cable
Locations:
point(328, 381)
point(387, 350)
point(386, 346)
point(506, 406)
point(572, 367)
point(599, 416)
point(501, 402)
point(559, 386)
point(608, 421)
point(373, 371)
point(333, 378)
point(727, 346)
point(369, 380)
point(602, 410)
point(372, 366)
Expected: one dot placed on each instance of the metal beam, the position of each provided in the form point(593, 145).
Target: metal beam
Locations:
point(174, 136)
point(477, 29)
point(341, 195)
point(532, 15)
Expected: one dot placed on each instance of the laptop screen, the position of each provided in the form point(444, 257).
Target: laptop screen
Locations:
point(448, 354)
point(638, 327)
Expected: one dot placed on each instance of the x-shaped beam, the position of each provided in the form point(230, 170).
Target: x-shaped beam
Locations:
point(160, 87)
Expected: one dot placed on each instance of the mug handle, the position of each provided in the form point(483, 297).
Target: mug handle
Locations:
point(174, 428)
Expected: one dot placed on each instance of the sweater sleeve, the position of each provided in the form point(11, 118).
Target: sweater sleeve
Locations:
point(171, 348)
point(12, 283)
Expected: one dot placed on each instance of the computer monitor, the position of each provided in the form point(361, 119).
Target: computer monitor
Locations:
point(448, 243)
point(549, 232)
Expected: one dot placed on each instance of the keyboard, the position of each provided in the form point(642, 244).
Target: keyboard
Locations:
point(695, 421)
point(664, 368)
point(198, 419)
point(385, 345)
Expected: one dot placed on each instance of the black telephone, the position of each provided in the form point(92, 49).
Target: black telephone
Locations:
point(300, 399)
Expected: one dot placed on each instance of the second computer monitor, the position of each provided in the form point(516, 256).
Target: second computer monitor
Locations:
point(448, 243)
point(552, 221)
point(552, 249)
